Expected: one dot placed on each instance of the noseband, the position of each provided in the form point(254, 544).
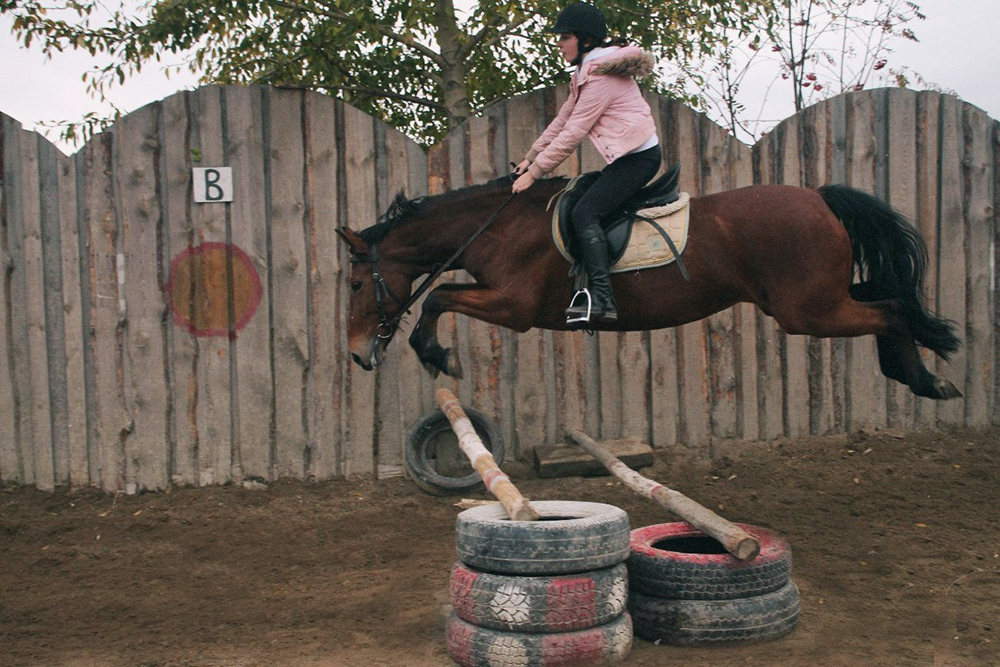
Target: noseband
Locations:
point(386, 326)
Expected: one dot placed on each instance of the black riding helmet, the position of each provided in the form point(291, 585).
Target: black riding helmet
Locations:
point(582, 18)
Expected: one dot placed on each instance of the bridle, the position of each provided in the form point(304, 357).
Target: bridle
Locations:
point(387, 325)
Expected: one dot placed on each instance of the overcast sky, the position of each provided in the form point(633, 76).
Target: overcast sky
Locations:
point(958, 50)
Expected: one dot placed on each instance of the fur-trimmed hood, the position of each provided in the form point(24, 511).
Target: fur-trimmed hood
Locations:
point(626, 61)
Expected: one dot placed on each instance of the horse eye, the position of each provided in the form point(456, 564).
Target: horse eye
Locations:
point(356, 286)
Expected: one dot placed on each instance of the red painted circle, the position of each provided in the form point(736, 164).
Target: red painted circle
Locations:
point(198, 290)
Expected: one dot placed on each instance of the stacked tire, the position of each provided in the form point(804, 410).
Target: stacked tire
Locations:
point(686, 590)
point(547, 593)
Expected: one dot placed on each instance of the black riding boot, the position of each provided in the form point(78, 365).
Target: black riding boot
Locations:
point(593, 249)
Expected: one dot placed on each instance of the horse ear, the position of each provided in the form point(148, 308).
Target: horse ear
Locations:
point(353, 241)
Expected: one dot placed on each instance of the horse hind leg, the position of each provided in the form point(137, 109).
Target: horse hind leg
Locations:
point(899, 357)
point(900, 360)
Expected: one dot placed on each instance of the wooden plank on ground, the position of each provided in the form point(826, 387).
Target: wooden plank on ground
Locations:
point(979, 181)
point(39, 402)
point(951, 248)
point(289, 280)
point(246, 129)
point(570, 460)
point(53, 218)
point(865, 379)
point(927, 152)
point(795, 348)
point(326, 273)
point(901, 193)
point(360, 210)
point(137, 135)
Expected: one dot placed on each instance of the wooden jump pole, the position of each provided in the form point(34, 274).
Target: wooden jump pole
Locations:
point(735, 540)
point(517, 506)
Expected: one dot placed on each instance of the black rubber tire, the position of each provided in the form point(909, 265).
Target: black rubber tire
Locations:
point(571, 537)
point(716, 622)
point(473, 646)
point(546, 604)
point(655, 569)
point(415, 452)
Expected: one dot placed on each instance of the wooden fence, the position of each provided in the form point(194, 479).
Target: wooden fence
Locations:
point(148, 340)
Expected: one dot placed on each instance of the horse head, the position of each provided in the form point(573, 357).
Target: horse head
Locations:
point(379, 290)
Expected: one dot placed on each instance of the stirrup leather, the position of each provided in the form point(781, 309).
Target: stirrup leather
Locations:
point(571, 313)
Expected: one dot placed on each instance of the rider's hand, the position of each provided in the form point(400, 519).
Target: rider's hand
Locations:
point(523, 182)
point(523, 167)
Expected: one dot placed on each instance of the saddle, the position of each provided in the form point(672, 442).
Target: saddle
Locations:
point(661, 208)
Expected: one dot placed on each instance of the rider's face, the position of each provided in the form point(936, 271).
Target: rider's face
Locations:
point(569, 45)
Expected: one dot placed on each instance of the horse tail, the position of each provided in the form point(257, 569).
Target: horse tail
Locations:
point(890, 259)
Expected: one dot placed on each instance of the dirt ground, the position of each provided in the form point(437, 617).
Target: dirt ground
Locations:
point(896, 545)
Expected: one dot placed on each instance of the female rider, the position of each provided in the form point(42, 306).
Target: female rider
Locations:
point(606, 105)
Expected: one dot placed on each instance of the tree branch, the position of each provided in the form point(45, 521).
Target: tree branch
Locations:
point(334, 13)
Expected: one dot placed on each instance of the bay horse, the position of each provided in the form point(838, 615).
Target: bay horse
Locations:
point(792, 251)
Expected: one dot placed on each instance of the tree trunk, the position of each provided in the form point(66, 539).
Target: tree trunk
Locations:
point(454, 74)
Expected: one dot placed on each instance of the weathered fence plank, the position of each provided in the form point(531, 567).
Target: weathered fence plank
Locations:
point(71, 306)
point(325, 276)
point(978, 197)
point(213, 297)
point(289, 282)
point(928, 145)
point(176, 202)
point(40, 402)
point(740, 164)
point(14, 443)
point(863, 373)
point(770, 385)
point(246, 128)
point(359, 206)
point(137, 137)
point(951, 250)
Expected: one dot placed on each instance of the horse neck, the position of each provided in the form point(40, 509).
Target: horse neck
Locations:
point(441, 228)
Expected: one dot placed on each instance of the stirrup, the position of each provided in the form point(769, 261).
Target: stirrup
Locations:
point(571, 312)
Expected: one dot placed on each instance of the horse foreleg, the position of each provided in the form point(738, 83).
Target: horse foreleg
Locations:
point(482, 303)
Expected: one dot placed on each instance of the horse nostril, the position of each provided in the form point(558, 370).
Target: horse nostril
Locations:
point(357, 358)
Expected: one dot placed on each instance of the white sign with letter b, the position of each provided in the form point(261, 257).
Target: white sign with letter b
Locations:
point(213, 184)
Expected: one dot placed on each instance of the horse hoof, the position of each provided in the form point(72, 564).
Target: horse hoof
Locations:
point(432, 369)
point(453, 365)
point(946, 390)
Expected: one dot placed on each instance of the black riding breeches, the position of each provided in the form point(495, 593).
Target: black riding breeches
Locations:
point(617, 183)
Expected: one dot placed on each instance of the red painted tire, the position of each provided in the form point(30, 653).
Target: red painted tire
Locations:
point(677, 561)
point(472, 646)
point(539, 604)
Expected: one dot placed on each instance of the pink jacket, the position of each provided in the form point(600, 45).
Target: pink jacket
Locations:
point(605, 104)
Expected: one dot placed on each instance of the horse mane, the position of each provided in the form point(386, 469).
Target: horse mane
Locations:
point(402, 210)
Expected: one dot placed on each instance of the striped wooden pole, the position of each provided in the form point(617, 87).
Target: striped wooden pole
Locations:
point(497, 483)
point(732, 537)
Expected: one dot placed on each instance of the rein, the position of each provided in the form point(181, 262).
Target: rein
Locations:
point(387, 325)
